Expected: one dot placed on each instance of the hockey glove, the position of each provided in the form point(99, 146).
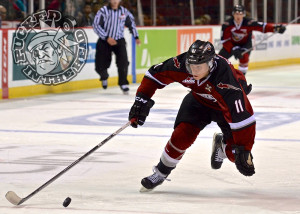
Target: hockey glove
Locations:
point(243, 160)
point(237, 52)
point(279, 28)
point(140, 109)
point(248, 89)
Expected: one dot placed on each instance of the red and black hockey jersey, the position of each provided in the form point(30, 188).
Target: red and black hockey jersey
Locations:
point(241, 35)
point(224, 89)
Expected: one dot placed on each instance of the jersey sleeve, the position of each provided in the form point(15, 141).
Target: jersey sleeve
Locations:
point(162, 74)
point(130, 23)
point(261, 26)
point(226, 37)
point(237, 110)
point(98, 24)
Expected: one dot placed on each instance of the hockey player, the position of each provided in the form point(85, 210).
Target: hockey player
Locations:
point(218, 93)
point(237, 34)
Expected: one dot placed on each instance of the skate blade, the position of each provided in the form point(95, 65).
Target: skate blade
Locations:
point(143, 189)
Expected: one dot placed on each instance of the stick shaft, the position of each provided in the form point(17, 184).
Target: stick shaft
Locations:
point(75, 162)
point(250, 49)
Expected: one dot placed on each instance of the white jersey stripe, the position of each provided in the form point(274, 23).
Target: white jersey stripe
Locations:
point(243, 123)
point(152, 77)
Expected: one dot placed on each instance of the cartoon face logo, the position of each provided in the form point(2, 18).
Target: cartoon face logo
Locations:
point(49, 48)
point(44, 52)
point(46, 58)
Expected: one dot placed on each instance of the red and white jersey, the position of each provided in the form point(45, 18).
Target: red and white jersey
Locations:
point(224, 89)
point(241, 35)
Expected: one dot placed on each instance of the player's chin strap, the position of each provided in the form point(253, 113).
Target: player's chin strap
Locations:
point(250, 49)
point(212, 64)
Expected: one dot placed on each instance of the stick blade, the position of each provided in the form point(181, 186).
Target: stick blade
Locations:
point(13, 198)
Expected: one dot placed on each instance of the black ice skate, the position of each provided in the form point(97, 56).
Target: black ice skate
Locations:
point(104, 84)
point(218, 151)
point(125, 89)
point(152, 181)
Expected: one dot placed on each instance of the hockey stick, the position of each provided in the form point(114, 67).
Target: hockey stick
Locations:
point(13, 198)
point(250, 49)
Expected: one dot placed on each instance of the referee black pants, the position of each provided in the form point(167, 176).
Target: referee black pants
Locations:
point(103, 59)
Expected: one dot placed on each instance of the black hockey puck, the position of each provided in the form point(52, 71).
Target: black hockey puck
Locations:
point(67, 201)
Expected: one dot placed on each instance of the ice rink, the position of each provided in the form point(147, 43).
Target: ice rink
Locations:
point(40, 136)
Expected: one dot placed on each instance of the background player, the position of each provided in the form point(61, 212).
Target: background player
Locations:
point(218, 93)
point(236, 36)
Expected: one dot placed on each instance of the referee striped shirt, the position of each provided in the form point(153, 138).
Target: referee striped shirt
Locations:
point(110, 23)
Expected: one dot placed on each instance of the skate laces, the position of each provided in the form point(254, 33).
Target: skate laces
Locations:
point(157, 176)
point(220, 153)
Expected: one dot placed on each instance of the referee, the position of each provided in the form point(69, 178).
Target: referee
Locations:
point(109, 25)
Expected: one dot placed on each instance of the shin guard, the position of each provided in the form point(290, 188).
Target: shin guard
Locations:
point(182, 138)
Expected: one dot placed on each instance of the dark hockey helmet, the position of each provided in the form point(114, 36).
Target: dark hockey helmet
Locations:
point(238, 9)
point(198, 53)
